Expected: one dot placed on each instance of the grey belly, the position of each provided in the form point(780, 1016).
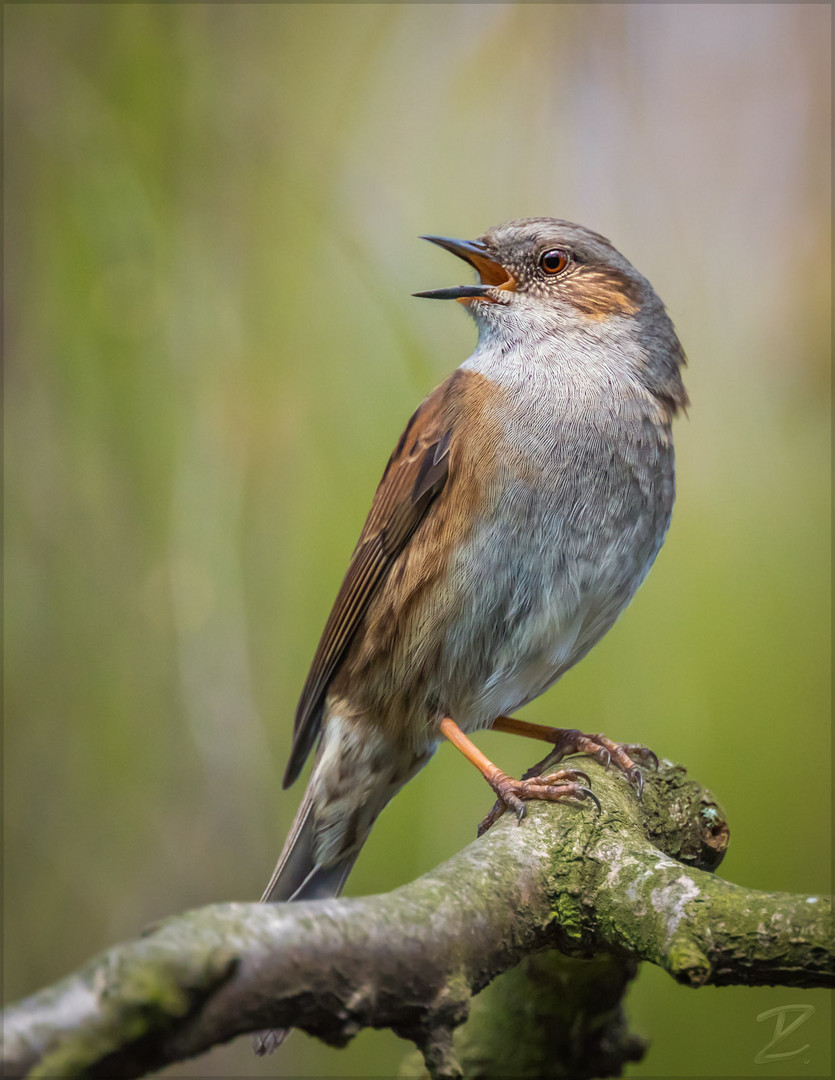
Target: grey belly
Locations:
point(534, 600)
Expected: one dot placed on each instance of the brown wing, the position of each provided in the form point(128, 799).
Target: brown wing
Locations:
point(414, 476)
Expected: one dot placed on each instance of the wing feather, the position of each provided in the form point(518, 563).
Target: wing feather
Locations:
point(414, 477)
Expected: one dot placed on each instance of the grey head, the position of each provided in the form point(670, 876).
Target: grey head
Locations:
point(548, 277)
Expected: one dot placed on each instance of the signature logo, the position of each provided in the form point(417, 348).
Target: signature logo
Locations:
point(783, 1028)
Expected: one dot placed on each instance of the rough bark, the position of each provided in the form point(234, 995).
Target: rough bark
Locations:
point(632, 884)
point(552, 1017)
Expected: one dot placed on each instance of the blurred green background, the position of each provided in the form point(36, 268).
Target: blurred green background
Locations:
point(211, 222)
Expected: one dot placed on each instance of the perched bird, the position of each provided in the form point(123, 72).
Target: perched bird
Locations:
point(519, 512)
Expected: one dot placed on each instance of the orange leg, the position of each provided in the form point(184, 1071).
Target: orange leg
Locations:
point(571, 741)
point(512, 794)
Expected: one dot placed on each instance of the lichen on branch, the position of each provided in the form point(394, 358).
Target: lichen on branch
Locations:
point(633, 884)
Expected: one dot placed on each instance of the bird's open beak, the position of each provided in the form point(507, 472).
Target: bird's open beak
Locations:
point(493, 275)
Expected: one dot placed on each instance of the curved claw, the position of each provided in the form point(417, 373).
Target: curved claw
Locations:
point(587, 793)
point(636, 777)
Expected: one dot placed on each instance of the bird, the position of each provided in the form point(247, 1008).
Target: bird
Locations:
point(519, 512)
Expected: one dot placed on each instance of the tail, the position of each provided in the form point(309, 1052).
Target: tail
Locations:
point(297, 874)
point(346, 811)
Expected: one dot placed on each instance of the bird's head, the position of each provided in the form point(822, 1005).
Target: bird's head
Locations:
point(544, 276)
point(548, 265)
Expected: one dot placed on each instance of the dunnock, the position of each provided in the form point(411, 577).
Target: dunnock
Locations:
point(521, 509)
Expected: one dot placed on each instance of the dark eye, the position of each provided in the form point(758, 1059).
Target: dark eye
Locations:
point(555, 261)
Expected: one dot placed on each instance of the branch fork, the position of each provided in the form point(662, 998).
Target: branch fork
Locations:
point(634, 883)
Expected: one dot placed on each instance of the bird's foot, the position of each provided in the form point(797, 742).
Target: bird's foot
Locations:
point(553, 787)
point(602, 749)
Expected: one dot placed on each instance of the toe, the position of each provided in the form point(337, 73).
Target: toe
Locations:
point(635, 750)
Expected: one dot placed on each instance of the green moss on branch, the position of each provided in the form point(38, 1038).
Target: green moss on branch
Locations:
point(633, 884)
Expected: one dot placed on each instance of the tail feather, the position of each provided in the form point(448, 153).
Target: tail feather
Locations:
point(321, 848)
point(298, 876)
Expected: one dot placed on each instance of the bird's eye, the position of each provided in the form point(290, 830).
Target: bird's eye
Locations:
point(555, 261)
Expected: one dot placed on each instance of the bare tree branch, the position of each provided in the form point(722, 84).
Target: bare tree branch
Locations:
point(632, 884)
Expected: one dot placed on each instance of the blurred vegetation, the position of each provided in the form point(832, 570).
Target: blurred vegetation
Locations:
point(210, 226)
